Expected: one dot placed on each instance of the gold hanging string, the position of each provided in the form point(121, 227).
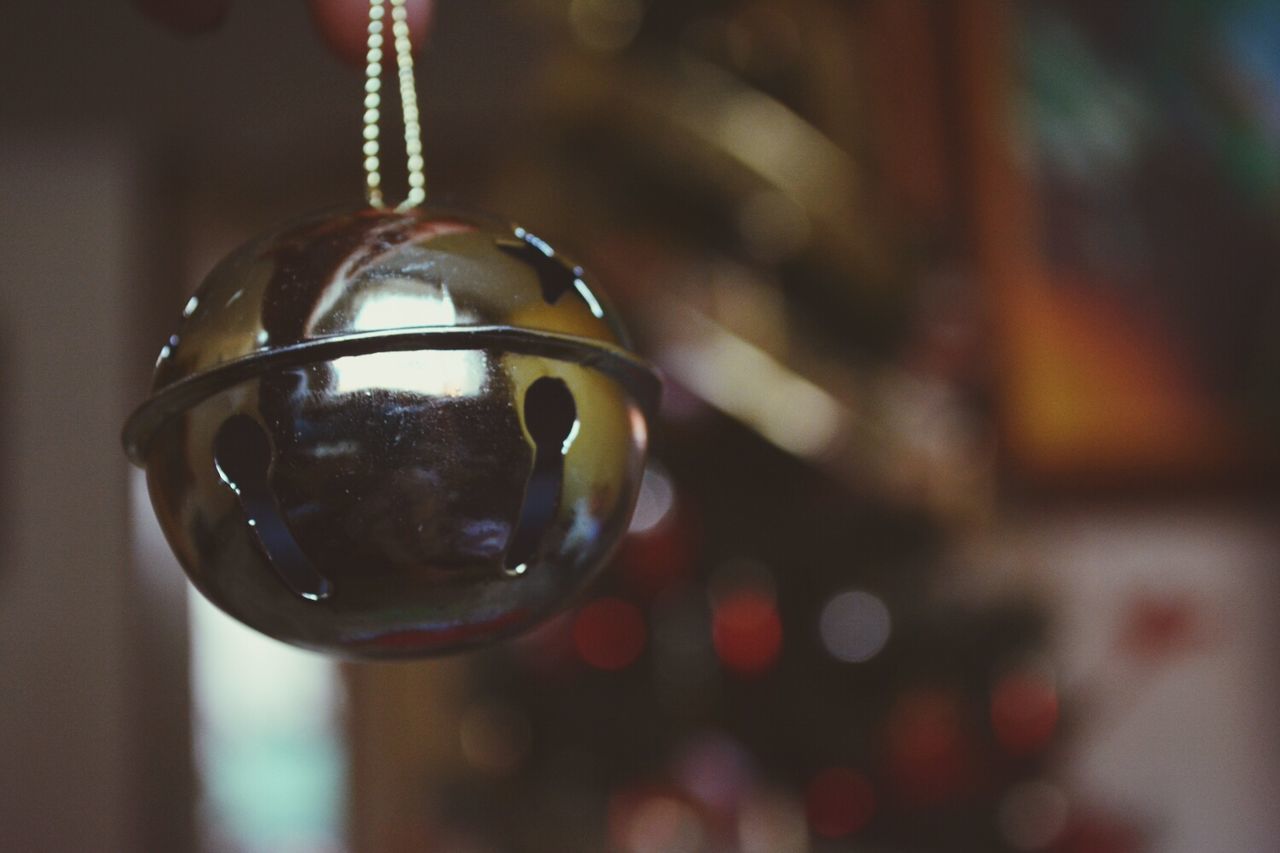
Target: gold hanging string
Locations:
point(408, 105)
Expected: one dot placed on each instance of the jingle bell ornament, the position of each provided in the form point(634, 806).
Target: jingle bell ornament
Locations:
point(394, 433)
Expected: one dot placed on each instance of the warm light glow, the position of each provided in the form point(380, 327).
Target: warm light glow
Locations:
point(639, 426)
point(747, 632)
point(655, 823)
point(752, 386)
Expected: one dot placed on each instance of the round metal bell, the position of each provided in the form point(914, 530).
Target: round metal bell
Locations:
point(388, 434)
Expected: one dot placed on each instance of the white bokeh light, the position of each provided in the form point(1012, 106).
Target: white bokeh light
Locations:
point(656, 500)
point(854, 626)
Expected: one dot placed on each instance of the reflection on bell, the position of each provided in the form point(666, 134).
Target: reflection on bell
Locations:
point(393, 434)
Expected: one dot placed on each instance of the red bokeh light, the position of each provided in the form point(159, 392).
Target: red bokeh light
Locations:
point(930, 758)
point(609, 633)
point(1024, 713)
point(1155, 627)
point(747, 632)
point(839, 802)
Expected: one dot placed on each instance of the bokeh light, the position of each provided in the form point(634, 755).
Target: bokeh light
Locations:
point(660, 548)
point(1024, 712)
point(715, 770)
point(655, 822)
point(656, 501)
point(747, 632)
point(854, 626)
point(1156, 627)
point(931, 757)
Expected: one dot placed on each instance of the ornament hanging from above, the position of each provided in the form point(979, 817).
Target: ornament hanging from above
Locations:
point(394, 433)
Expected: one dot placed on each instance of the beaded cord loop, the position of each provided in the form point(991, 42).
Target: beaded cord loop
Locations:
point(408, 105)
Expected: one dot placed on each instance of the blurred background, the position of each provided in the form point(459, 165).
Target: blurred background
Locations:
point(959, 533)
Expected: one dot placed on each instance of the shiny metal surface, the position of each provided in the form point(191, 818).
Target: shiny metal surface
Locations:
point(370, 271)
point(394, 434)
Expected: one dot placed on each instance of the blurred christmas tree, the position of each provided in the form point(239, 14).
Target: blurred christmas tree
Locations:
point(771, 666)
point(763, 671)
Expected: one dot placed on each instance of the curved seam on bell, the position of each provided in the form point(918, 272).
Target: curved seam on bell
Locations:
point(633, 373)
